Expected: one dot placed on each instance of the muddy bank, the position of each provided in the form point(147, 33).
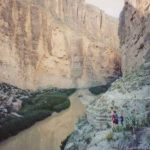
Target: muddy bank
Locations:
point(47, 134)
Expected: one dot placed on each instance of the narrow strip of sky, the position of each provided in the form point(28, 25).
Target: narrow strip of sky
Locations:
point(111, 7)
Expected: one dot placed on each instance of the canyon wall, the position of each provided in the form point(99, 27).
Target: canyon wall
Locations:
point(57, 43)
point(134, 33)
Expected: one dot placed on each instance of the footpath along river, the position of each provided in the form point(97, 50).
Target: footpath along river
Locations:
point(49, 133)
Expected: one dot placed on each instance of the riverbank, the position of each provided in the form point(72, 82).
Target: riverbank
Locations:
point(49, 133)
point(20, 109)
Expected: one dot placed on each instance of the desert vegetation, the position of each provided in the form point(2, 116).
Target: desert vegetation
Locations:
point(38, 106)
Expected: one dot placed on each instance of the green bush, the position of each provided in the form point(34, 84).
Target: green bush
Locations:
point(47, 102)
point(68, 92)
point(132, 122)
point(11, 125)
point(99, 89)
point(62, 106)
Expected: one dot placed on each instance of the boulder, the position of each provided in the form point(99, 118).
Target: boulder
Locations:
point(16, 106)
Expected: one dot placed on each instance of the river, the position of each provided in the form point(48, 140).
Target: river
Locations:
point(49, 133)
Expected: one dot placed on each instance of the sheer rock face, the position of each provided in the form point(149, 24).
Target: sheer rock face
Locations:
point(134, 33)
point(61, 43)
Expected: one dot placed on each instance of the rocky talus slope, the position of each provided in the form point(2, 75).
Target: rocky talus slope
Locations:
point(129, 95)
point(11, 99)
point(59, 43)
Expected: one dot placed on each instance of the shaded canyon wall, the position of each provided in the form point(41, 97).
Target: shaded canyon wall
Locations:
point(134, 33)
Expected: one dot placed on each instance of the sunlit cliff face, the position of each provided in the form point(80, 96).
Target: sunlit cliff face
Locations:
point(56, 44)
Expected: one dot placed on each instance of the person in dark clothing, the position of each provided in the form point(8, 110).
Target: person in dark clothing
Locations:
point(114, 118)
point(121, 119)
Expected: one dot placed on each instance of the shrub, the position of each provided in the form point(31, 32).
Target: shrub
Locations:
point(62, 106)
point(119, 129)
point(63, 143)
point(131, 122)
point(68, 92)
point(88, 140)
point(11, 126)
point(148, 118)
point(99, 89)
point(49, 102)
point(109, 136)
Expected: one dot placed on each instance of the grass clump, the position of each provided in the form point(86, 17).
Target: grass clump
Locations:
point(119, 129)
point(109, 136)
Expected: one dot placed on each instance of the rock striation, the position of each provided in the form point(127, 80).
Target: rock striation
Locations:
point(58, 43)
point(134, 33)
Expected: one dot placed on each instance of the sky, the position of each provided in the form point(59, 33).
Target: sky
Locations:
point(111, 7)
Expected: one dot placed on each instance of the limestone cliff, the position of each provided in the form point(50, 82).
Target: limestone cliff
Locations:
point(134, 33)
point(61, 43)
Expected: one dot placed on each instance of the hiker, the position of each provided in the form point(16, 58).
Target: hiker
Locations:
point(121, 118)
point(114, 118)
